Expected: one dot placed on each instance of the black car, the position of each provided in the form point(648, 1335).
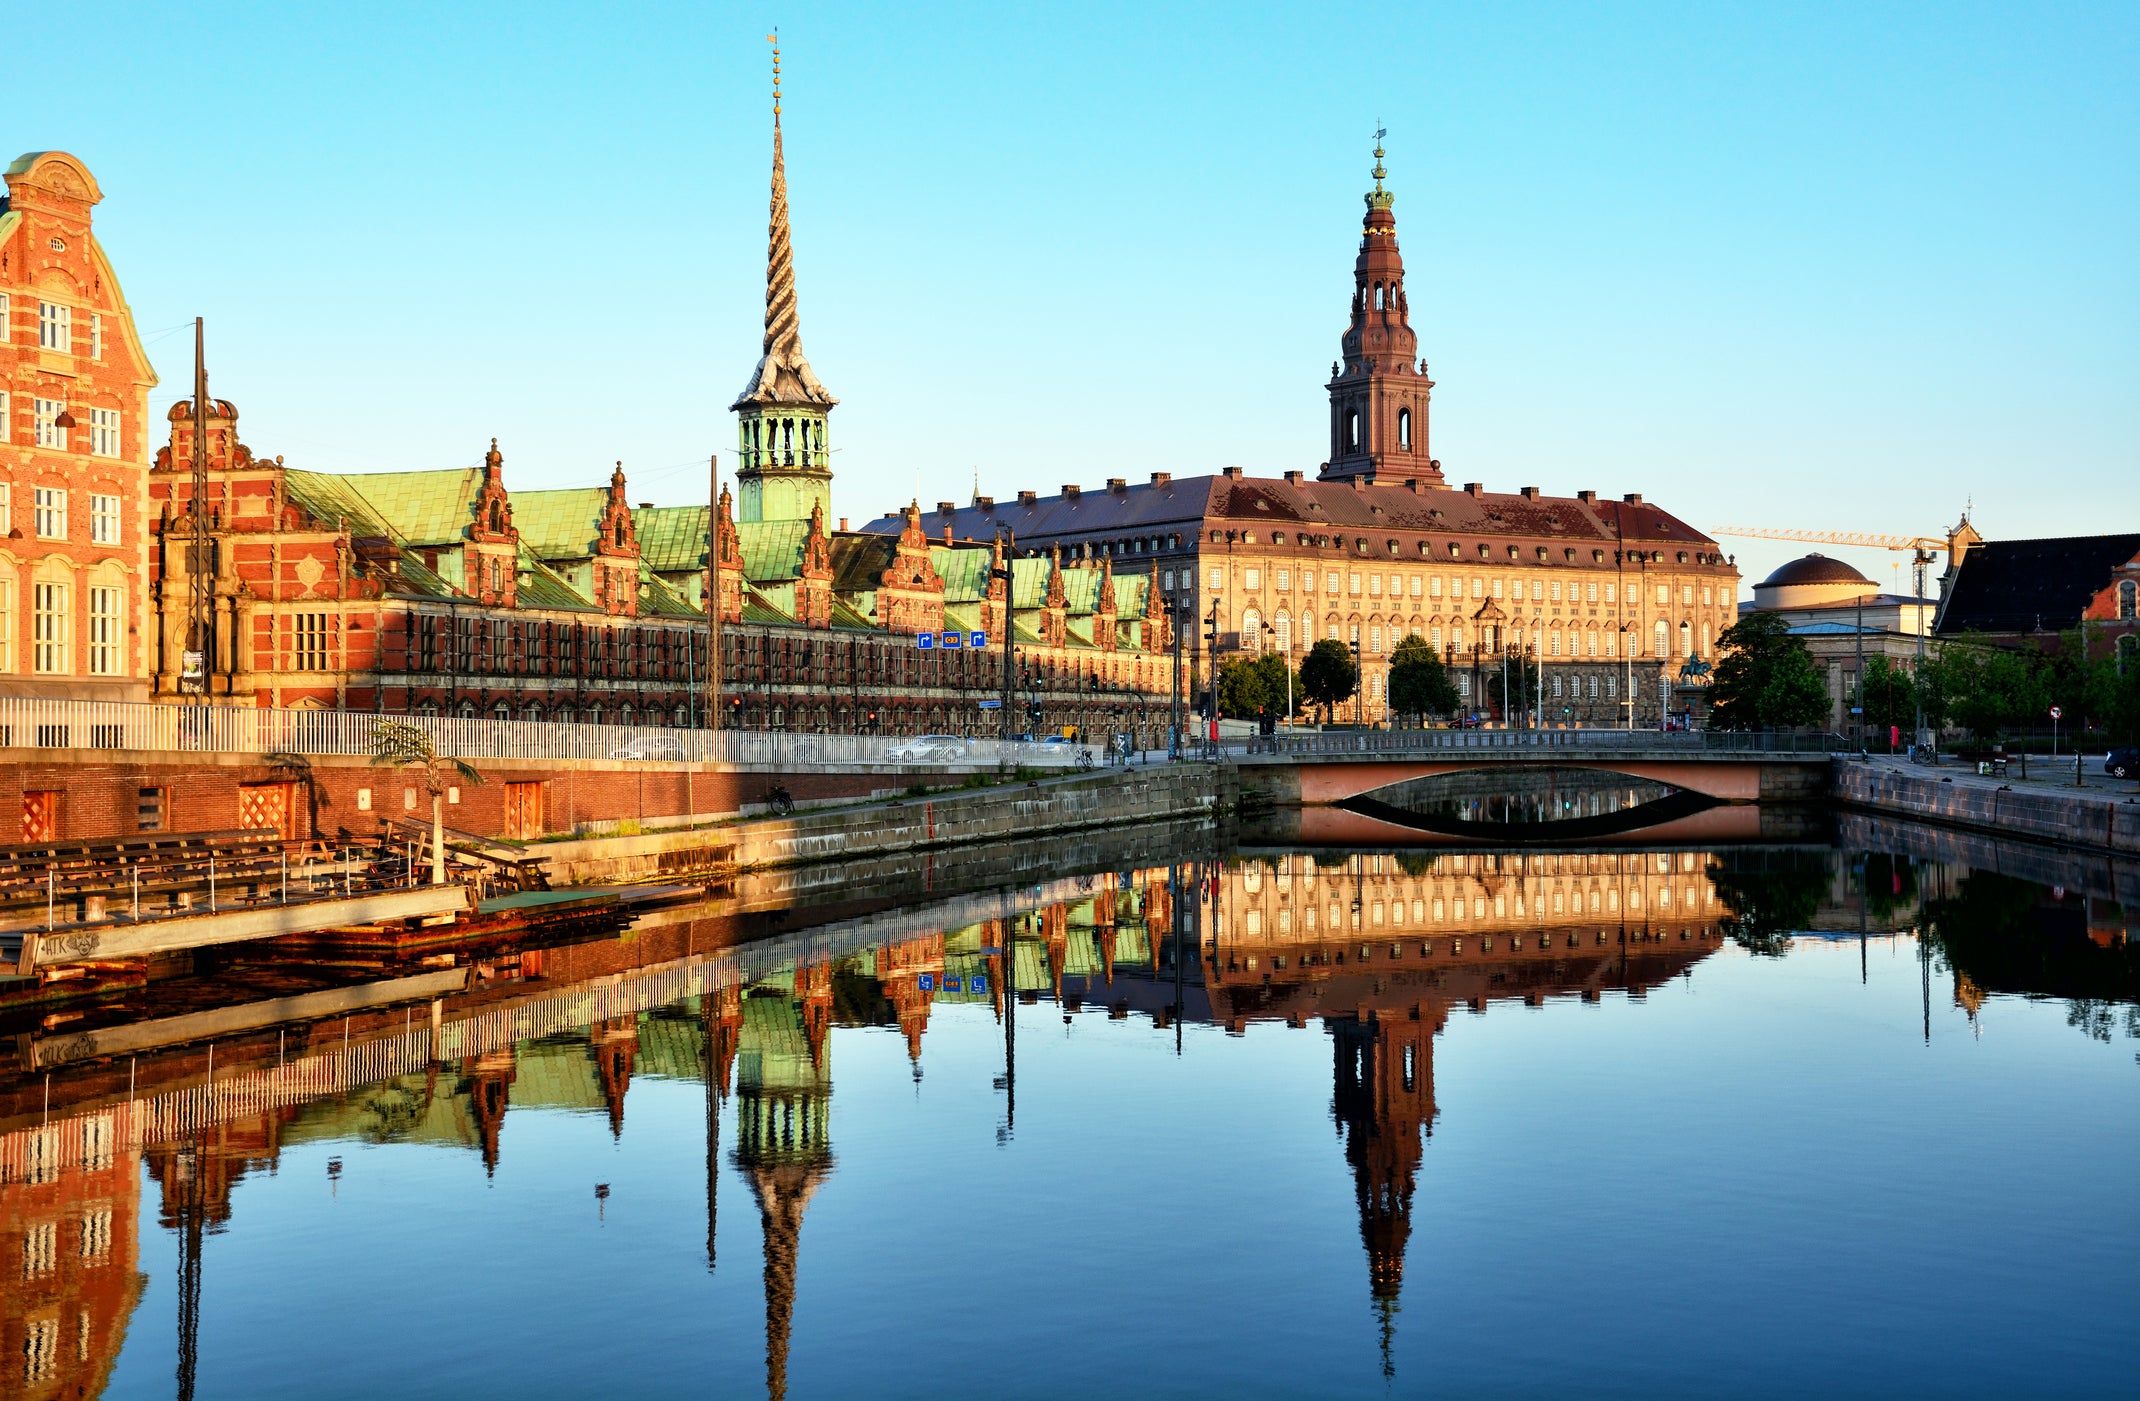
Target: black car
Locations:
point(2122, 763)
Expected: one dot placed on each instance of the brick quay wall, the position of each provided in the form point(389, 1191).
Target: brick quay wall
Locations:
point(2101, 818)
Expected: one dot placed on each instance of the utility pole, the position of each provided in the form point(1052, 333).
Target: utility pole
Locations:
point(1859, 630)
point(200, 562)
point(1211, 682)
point(713, 594)
point(1177, 616)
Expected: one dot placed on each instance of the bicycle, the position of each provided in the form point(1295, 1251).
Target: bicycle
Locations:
point(1084, 758)
point(779, 801)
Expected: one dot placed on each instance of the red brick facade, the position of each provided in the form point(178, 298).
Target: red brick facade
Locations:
point(74, 394)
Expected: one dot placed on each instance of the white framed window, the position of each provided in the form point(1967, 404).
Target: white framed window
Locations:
point(1664, 593)
point(55, 327)
point(1285, 580)
point(1218, 579)
point(1686, 595)
point(96, 336)
point(1354, 581)
point(1374, 585)
point(49, 433)
point(1285, 633)
point(1252, 579)
point(6, 332)
point(1497, 588)
point(1593, 594)
point(104, 432)
point(1434, 586)
point(103, 520)
point(7, 626)
point(1169, 585)
point(1556, 688)
point(1415, 586)
point(7, 419)
point(105, 634)
point(7, 499)
point(1434, 638)
point(1609, 593)
point(51, 513)
point(51, 614)
point(1478, 587)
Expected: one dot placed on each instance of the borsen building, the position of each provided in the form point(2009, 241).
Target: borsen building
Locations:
point(1611, 597)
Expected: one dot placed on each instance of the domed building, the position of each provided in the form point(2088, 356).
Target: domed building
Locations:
point(1815, 581)
point(1841, 616)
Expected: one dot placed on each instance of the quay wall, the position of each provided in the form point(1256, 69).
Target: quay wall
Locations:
point(100, 792)
point(2099, 820)
point(840, 841)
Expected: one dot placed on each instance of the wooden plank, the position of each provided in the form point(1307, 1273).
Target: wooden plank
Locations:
point(155, 936)
point(133, 1038)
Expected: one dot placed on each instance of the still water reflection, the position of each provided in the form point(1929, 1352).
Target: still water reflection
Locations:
point(1749, 1121)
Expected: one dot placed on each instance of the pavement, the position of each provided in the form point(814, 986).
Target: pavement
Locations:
point(2044, 775)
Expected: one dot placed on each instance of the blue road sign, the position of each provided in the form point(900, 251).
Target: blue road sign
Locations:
point(991, 705)
point(925, 640)
point(954, 639)
point(979, 639)
point(951, 985)
point(928, 982)
point(977, 983)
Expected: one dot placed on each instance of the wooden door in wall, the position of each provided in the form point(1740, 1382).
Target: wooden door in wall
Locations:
point(523, 811)
point(268, 807)
point(40, 815)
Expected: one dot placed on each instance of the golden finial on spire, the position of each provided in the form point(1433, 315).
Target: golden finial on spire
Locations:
point(1380, 198)
point(774, 39)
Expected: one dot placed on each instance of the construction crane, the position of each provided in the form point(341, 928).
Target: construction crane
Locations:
point(1921, 547)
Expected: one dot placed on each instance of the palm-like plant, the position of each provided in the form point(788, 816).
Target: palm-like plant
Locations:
point(396, 744)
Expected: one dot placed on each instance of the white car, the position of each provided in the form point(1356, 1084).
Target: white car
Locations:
point(665, 747)
point(929, 749)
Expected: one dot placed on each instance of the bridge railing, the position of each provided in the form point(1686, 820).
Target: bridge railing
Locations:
point(39, 723)
point(1346, 742)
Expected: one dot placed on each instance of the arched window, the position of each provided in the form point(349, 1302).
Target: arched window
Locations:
point(620, 532)
point(531, 712)
point(468, 710)
point(2128, 599)
point(1252, 630)
point(1686, 640)
point(1285, 634)
point(1404, 429)
point(1378, 296)
point(1352, 428)
point(1664, 640)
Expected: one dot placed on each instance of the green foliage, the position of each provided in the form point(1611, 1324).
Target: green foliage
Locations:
point(1889, 697)
point(1765, 678)
point(1252, 686)
point(398, 745)
point(1772, 895)
point(1419, 683)
point(1329, 676)
point(1986, 690)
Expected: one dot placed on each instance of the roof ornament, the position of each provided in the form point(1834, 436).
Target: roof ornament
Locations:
point(1379, 198)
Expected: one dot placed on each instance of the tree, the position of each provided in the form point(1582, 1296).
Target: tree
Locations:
point(1764, 678)
point(1251, 686)
point(1521, 691)
point(1888, 697)
point(1329, 676)
point(1419, 683)
point(1985, 689)
point(396, 744)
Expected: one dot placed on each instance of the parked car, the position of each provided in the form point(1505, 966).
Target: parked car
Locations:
point(666, 747)
point(2122, 763)
point(929, 749)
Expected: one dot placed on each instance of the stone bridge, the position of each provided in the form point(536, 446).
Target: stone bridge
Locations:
point(1360, 770)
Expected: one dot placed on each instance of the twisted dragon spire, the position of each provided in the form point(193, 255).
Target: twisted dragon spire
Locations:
point(783, 375)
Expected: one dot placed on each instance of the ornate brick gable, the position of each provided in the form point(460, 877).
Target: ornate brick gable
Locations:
point(910, 595)
point(992, 607)
point(1103, 608)
point(731, 548)
point(813, 588)
point(1158, 622)
point(493, 550)
point(1056, 606)
point(616, 553)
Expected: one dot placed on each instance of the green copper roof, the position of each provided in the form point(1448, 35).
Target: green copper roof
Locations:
point(845, 617)
point(425, 508)
point(1131, 590)
point(1029, 583)
point(672, 538)
point(659, 599)
point(964, 571)
point(560, 524)
point(333, 500)
point(858, 562)
point(1081, 590)
point(772, 550)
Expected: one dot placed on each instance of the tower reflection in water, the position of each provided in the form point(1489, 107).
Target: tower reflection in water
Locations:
point(1377, 948)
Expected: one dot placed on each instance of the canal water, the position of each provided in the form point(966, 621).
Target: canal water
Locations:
point(1855, 1119)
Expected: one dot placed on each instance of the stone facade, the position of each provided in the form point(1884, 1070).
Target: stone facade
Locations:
point(74, 395)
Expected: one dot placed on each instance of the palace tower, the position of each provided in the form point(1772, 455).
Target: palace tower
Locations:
point(1379, 390)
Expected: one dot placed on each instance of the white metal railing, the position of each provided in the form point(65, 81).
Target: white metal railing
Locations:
point(36, 723)
point(1677, 741)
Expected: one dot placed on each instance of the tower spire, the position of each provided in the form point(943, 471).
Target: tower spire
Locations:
point(784, 464)
point(1378, 394)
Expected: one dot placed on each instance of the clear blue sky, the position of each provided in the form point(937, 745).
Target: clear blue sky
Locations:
point(1840, 266)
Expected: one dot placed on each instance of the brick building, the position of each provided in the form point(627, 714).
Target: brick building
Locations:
point(1609, 596)
point(447, 592)
point(2027, 592)
point(74, 394)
